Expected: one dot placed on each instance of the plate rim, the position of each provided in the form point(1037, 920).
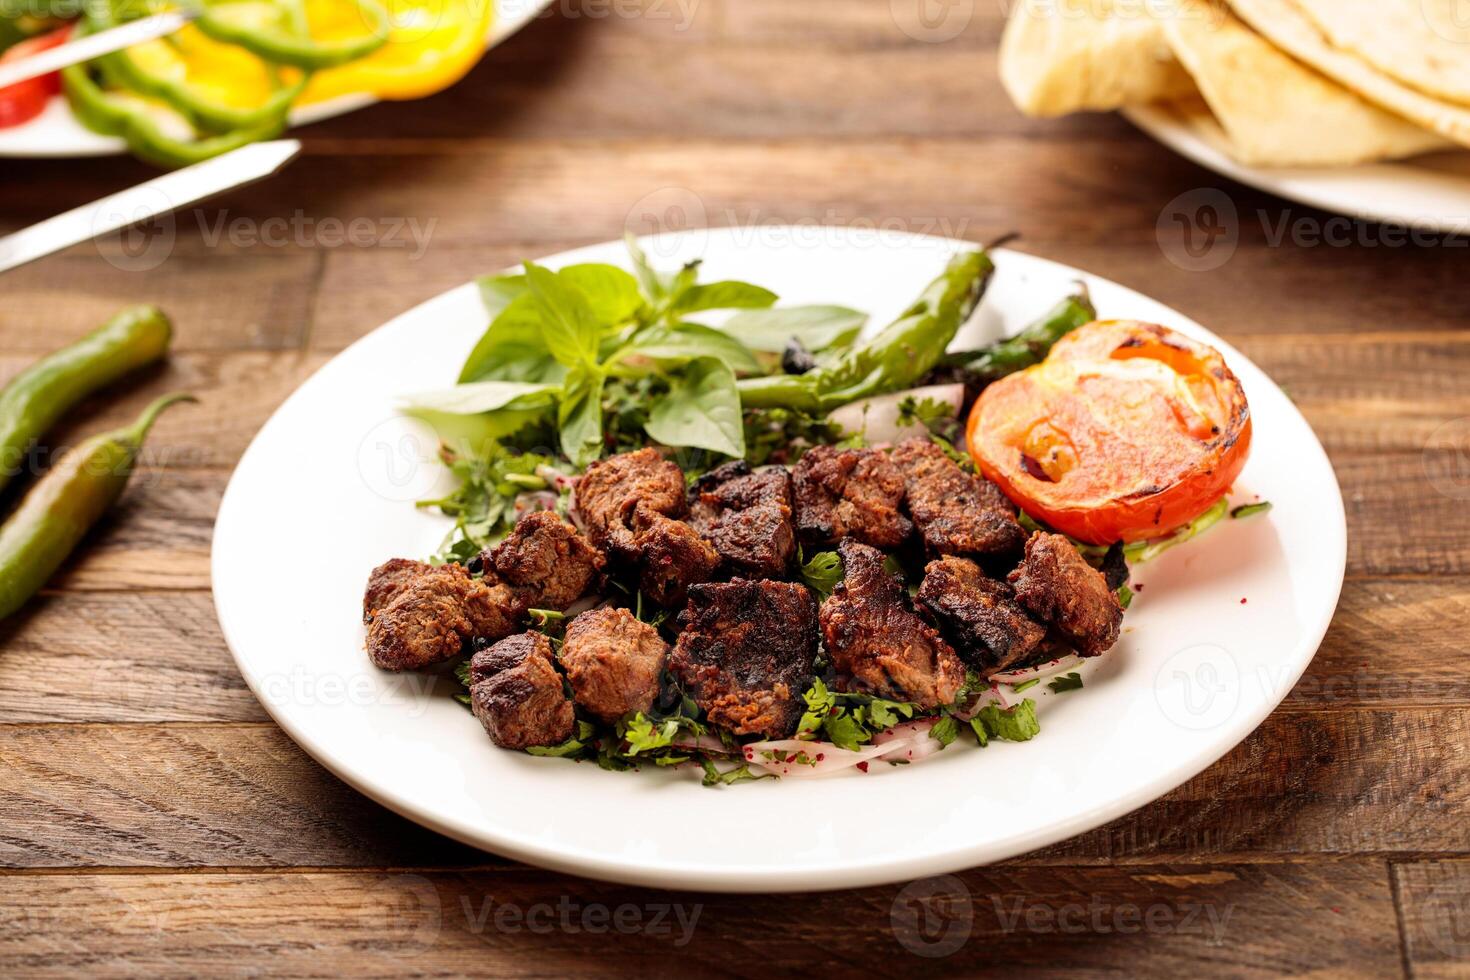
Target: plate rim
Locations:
point(873, 872)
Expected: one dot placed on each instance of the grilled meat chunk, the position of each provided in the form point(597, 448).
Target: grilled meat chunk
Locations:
point(631, 504)
point(747, 516)
point(843, 493)
point(547, 559)
point(434, 614)
point(878, 644)
point(613, 490)
point(673, 556)
point(746, 653)
point(978, 615)
point(386, 581)
point(1058, 586)
point(614, 661)
point(517, 694)
point(956, 513)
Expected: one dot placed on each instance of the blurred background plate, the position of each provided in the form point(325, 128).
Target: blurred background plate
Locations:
point(1431, 192)
point(57, 134)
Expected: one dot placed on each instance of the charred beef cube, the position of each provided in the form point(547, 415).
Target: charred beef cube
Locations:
point(746, 654)
point(547, 559)
point(978, 615)
point(877, 642)
point(747, 516)
point(386, 581)
point(614, 490)
point(614, 661)
point(842, 493)
point(1058, 586)
point(517, 694)
point(673, 556)
point(956, 513)
point(433, 615)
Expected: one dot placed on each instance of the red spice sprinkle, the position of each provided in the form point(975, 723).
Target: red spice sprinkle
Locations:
point(1242, 601)
point(821, 756)
point(1137, 587)
point(862, 766)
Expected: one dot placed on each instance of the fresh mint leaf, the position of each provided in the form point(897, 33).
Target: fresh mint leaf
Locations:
point(687, 341)
point(701, 410)
point(1016, 724)
point(580, 417)
point(513, 348)
point(817, 327)
point(728, 295)
point(498, 292)
point(570, 326)
point(611, 293)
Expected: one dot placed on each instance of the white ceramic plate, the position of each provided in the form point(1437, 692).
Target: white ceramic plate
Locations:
point(56, 133)
point(1431, 192)
point(1221, 631)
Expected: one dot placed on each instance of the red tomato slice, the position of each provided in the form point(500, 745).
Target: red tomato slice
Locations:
point(23, 102)
point(1126, 431)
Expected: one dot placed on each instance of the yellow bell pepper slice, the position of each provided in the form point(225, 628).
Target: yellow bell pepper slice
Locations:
point(432, 45)
point(223, 73)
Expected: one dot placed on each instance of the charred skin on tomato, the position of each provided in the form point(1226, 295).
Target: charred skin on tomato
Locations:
point(1126, 431)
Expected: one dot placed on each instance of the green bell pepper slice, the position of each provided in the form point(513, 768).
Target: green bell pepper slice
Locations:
point(284, 37)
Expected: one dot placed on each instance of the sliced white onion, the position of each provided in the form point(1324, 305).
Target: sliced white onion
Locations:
point(988, 696)
point(876, 419)
point(583, 605)
point(824, 758)
point(702, 743)
point(534, 500)
point(1035, 673)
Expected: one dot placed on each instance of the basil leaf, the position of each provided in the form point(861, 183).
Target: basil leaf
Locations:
point(686, 341)
point(483, 396)
point(728, 295)
point(701, 410)
point(817, 327)
point(513, 348)
point(498, 292)
point(580, 416)
point(652, 282)
point(569, 324)
point(610, 292)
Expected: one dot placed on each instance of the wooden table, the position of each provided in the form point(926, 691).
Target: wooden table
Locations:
point(152, 818)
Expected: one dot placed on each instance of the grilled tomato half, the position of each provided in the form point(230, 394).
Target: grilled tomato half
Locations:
point(1126, 431)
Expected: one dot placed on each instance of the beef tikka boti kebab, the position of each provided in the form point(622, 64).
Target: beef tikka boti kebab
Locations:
point(829, 597)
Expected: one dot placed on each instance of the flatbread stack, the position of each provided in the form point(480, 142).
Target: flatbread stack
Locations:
point(1278, 83)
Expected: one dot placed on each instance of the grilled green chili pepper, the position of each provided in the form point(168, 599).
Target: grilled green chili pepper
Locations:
point(43, 392)
point(65, 503)
point(238, 22)
point(896, 358)
point(1030, 346)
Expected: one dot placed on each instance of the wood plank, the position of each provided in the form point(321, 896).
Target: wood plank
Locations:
point(1405, 512)
point(159, 657)
point(1306, 783)
point(218, 299)
point(1258, 920)
point(1433, 900)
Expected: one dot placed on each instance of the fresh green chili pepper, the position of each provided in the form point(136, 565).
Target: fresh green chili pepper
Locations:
point(144, 123)
point(896, 358)
point(65, 503)
point(282, 43)
point(36, 398)
point(1030, 346)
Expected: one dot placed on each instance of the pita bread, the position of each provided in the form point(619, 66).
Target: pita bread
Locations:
point(1274, 111)
point(1061, 56)
point(1282, 23)
point(1423, 43)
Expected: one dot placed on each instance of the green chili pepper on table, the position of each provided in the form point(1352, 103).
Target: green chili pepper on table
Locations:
point(65, 504)
point(1030, 346)
point(41, 394)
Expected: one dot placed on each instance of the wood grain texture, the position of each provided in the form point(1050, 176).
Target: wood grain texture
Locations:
point(153, 820)
point(1227, 920)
